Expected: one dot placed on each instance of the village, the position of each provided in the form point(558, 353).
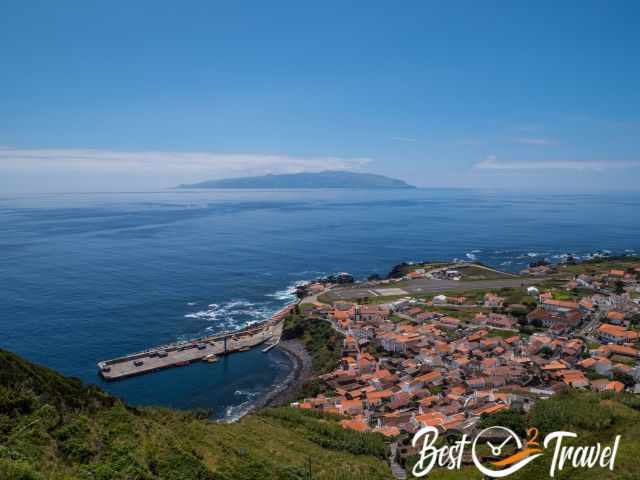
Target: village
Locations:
point(449, 359)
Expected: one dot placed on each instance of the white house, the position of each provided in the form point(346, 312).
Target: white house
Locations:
point(439, 299)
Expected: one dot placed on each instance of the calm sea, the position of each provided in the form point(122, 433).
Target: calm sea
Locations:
point(86, 277)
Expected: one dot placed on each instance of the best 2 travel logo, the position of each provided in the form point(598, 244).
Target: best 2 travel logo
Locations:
point(497, 452)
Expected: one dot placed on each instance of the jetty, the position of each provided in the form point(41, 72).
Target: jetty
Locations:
point(183, 353)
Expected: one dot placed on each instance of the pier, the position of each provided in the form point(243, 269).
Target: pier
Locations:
point(183, 353)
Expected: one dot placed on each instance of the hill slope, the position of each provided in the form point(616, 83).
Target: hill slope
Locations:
point(328, 179)
point(53, 427)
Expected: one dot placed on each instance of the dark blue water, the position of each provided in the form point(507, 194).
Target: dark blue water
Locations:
point(85, 277)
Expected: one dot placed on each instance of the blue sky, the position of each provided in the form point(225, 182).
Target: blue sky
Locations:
point(149, 94)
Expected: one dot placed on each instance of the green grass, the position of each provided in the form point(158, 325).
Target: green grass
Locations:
point(322, 342)
point(600, 265)
point(622, 359)
point(464, 314)
point(501, 333)
point(52, 427)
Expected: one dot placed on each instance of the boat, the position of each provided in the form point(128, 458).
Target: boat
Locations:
point(211, 358)
point(269, 347)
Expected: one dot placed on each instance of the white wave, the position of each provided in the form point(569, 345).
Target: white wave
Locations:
point(233, 413)
point(191, 304)
point(245, 393)
point(238, 303)
point(232, 315)
point(284, 295)
point(476, 251)
point(471, 256)
point(287, 294)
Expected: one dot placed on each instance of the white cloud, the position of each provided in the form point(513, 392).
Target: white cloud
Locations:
point(534, 141)
point(491, 163)
point(196, 164)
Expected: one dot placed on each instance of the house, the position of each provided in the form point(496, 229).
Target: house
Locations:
point(615, 317)
point(559, 320)
point(439, 300)
point(603, 366)
point(372, 313)
point(616, 334)
point(413, 312)
point(398, 342)
point(585, 305)
point(351, 407)
point(358, 424)
point(623, 350)
point(615, 386)
point(491, 300)
point(449, 322)
point(399, 305)
point(426, 316)
point(458, 300)
point(500, 321)
point(560, 306)
point(574, 378)
point(600, 385)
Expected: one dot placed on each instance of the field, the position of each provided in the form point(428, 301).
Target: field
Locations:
point(602, 265)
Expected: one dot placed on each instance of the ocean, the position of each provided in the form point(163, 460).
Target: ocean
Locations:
point(87, 277)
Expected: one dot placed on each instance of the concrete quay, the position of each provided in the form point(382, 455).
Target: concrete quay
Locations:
point(183, 353)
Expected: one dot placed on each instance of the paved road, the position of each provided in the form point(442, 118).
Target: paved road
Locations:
point(427, 285)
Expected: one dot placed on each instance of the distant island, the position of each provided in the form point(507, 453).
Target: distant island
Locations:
point(328, 179)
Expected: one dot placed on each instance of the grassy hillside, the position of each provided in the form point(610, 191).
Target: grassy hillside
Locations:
point(322, 342)
point(53, 427)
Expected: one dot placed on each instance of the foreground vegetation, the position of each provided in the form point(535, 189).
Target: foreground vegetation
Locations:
point(53, 427)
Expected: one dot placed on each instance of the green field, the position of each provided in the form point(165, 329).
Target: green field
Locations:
point(601, 265)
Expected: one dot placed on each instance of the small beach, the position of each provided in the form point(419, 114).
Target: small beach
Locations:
point(285, 391)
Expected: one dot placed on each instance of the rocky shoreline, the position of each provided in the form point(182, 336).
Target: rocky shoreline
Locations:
point(286, 391)
point(301, 372)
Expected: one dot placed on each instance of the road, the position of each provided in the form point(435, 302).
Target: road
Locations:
point(425, 285)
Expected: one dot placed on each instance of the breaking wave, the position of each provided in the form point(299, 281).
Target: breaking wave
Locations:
point(239, 312)
point(236, 313)
point(288, 294)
